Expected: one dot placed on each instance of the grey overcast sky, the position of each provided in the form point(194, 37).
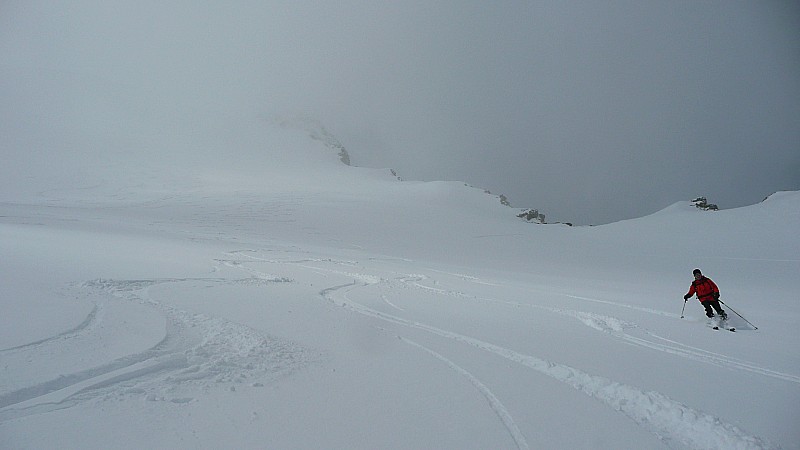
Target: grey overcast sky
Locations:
point(590, 111)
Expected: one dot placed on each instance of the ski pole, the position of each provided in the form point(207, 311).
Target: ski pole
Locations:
point(734, 311)
point(684, 307)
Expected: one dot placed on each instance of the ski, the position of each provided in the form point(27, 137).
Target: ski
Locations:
point(717, 324)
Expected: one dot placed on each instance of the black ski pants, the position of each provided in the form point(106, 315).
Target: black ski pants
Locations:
point(715, 304)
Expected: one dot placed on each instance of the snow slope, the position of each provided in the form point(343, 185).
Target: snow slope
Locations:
point(287, 300)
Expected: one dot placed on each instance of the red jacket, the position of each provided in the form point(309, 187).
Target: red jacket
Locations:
point(705, 289)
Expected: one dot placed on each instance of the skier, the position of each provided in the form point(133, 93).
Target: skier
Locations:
point(708, 294)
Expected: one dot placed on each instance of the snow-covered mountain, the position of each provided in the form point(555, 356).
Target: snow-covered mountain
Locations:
point(265, 295)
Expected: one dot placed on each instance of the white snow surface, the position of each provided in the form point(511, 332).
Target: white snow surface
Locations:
point(293, 302)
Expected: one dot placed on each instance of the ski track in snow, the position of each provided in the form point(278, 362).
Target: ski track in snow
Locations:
point(494, 402)
point(671, 421)
point(617, 329)
point(197, 352)
point(666, 418)
point(64, 335)
point(386, 300)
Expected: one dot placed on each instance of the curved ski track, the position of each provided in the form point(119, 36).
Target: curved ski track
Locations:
point(196, 352)
point(617, 329)
point(666, 418)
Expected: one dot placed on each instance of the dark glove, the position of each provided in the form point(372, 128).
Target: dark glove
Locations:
point(716, 295)
point(686, 297)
